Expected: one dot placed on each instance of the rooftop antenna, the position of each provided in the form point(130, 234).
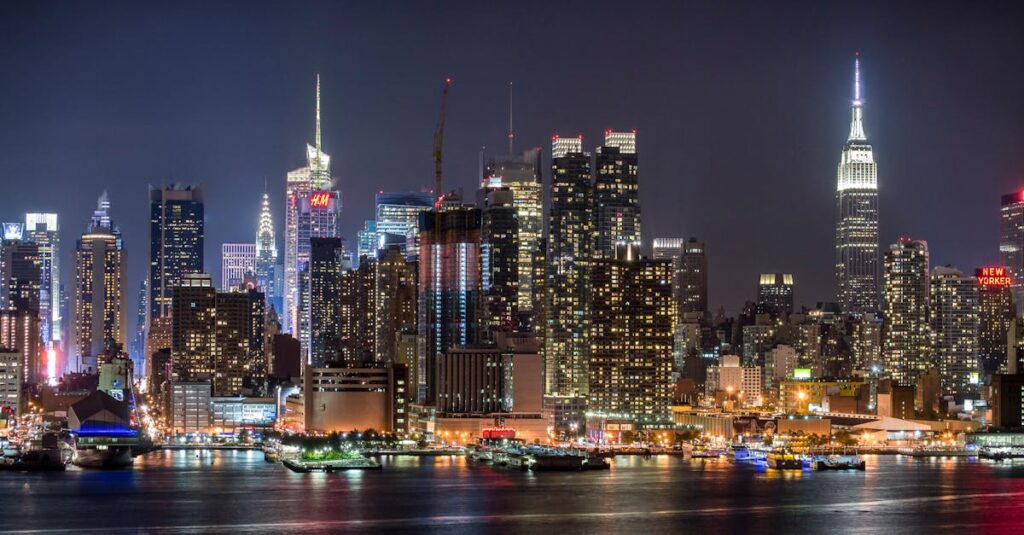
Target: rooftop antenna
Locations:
point(511, 136)
point(856, 78)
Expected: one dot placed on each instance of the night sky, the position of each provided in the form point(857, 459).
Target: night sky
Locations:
point(741, 111)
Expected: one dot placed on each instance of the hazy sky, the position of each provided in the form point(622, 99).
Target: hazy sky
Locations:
point(741, 109)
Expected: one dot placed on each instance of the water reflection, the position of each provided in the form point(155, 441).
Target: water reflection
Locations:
point(233, 491)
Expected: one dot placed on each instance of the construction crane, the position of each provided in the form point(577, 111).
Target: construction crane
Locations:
point(438, 146)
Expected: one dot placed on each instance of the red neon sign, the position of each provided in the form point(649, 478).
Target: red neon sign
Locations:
point(993, 277)
point(320, 199)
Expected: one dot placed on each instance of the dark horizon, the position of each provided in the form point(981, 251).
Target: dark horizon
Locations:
point(741, 112)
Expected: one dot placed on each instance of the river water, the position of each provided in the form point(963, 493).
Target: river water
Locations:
point(238, 492)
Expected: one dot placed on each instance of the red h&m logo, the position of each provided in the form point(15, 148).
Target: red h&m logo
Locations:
point(320, 199)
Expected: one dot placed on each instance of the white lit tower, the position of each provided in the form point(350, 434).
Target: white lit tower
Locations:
point(312, 209)
point(857, 265)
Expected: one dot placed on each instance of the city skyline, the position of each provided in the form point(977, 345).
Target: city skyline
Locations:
point(682, 182)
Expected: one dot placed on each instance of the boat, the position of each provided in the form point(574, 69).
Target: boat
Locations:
point(1001, 453)
point(49, 453)
point(840, 462)
point(701, 453)
point(782, 459)
point(743, 454)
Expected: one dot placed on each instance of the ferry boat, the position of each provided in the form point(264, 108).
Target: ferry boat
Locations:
point(781, 459)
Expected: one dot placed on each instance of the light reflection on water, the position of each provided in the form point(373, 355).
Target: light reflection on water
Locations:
point(237, 490)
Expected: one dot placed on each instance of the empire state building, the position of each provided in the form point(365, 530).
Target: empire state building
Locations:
point(857, 215)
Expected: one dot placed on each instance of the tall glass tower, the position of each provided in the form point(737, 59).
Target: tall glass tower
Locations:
point(42, 229)
point(857, 215)
point(312, 208)
point(176, 230)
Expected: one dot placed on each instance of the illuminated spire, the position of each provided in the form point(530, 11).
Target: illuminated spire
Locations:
point(265, 242)
point(857, 119)
point(318, 149)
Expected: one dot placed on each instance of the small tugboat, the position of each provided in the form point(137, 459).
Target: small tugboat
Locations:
point(782, 459)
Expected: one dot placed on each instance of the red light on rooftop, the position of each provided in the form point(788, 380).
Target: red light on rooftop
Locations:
point(554, 136)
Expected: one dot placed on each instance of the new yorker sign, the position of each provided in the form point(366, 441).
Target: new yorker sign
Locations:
point(993, 277)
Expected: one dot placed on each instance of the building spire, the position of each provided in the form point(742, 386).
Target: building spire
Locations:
point(511, 136)
point(318, 119)
point(857, 118)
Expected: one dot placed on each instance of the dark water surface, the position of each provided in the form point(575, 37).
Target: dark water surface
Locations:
point(237, 492)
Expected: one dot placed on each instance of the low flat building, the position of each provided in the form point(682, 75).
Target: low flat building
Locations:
point(344, 399)
point(467, 429)
point(711, 424)
point(233, 414)
point(190, 407)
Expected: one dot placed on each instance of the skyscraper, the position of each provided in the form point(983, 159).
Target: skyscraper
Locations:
point(668, 249)
point(500, 261)
point(906, 338)
point(213, 335)
point(366, 244)
point(857, 215)
point(693, 278)
point(325, 294)
point(995, 316)
point(236, 261)
point(99, 313)
point(312, 208)
point(775, 294)
point(394, 303)
point(19, 331)
point(42, 230)
point(616, 193)
point(266, 256)
point(953, 318)
point(138, 348)
point(176, 231)
point(631, 336)
point(1011, 243)
point(194, 328)
point(570, 243)
point(21, 268)
point(521, 175)
point(450, 287)
point(398, 220)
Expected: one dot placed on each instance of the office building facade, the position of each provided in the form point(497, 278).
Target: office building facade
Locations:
point(906, 339)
